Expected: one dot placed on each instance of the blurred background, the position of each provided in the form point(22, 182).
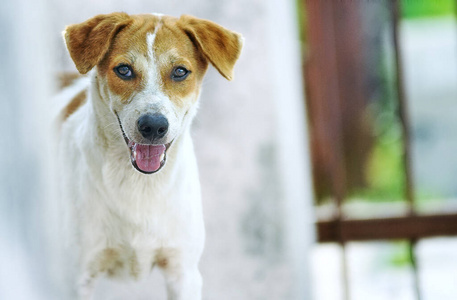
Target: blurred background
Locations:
point(328, 166)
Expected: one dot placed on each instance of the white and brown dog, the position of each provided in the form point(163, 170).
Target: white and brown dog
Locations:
point(125, 122)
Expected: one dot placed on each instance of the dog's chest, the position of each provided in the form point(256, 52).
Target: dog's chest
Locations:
point(141, 212)
point(129, 238)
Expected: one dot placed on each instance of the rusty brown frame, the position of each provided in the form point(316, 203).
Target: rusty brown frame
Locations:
point(398, 228)
point(410, 227)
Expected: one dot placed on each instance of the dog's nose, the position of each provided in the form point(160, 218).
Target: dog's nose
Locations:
point(153, 126)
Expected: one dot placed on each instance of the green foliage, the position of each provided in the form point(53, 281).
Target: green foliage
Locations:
point(385, 171)
point(301, 18)
point(398, 256)
point(427, 8)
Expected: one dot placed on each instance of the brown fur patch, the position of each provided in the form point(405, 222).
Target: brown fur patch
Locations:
point(89, 41)
point(172, 48)
point(128, 47)
point(109, 261)
point(66, 79)
point(168, 258)
point(162, 262)
point(114, 262)
point(73, 105)
point(222, 47)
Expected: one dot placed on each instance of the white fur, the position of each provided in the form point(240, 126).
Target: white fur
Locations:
point(142, 219)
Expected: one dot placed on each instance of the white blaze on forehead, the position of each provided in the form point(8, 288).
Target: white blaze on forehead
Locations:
point(154, 80)
point(153, 97)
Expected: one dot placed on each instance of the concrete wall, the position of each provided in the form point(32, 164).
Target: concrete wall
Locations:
point(251, 145)
point(24, 148)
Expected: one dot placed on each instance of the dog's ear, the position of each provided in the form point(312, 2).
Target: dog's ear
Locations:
point(88, 42)
point(220, 46)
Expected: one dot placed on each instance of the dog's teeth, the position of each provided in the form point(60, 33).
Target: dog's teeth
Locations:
point(162, 156)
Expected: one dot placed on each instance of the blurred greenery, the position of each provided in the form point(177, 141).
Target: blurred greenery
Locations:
point(385, 174)
point(301, 18)
point(398, 255)
point(385, 168)
point(385, 178)
point(427, 8)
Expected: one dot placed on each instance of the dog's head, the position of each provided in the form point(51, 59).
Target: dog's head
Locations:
point(149, 71)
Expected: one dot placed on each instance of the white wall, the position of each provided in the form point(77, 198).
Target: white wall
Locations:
point(24, 148)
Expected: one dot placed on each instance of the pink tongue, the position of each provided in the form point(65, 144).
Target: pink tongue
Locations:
point(148, 157)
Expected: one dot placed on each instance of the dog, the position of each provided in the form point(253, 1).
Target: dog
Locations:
point(128, 174)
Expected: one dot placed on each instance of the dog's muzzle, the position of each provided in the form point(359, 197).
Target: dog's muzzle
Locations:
point(146, 158)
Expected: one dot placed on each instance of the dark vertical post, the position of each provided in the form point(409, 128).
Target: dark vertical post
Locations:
point(406, 131)
point(325, 107)
point(323, 97)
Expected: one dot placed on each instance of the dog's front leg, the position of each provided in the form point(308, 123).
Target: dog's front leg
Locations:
point(85, 287)
point(183, 283)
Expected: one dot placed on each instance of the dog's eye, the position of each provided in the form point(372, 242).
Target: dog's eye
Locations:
point(179, 73)
point(124, 72)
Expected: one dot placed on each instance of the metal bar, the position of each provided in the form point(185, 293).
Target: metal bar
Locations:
point(415, 267)
point(338, 165)
point(403, 110)
point(398, 228)
point(405, 122)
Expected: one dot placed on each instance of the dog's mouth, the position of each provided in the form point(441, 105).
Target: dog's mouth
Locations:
point(146, 158)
